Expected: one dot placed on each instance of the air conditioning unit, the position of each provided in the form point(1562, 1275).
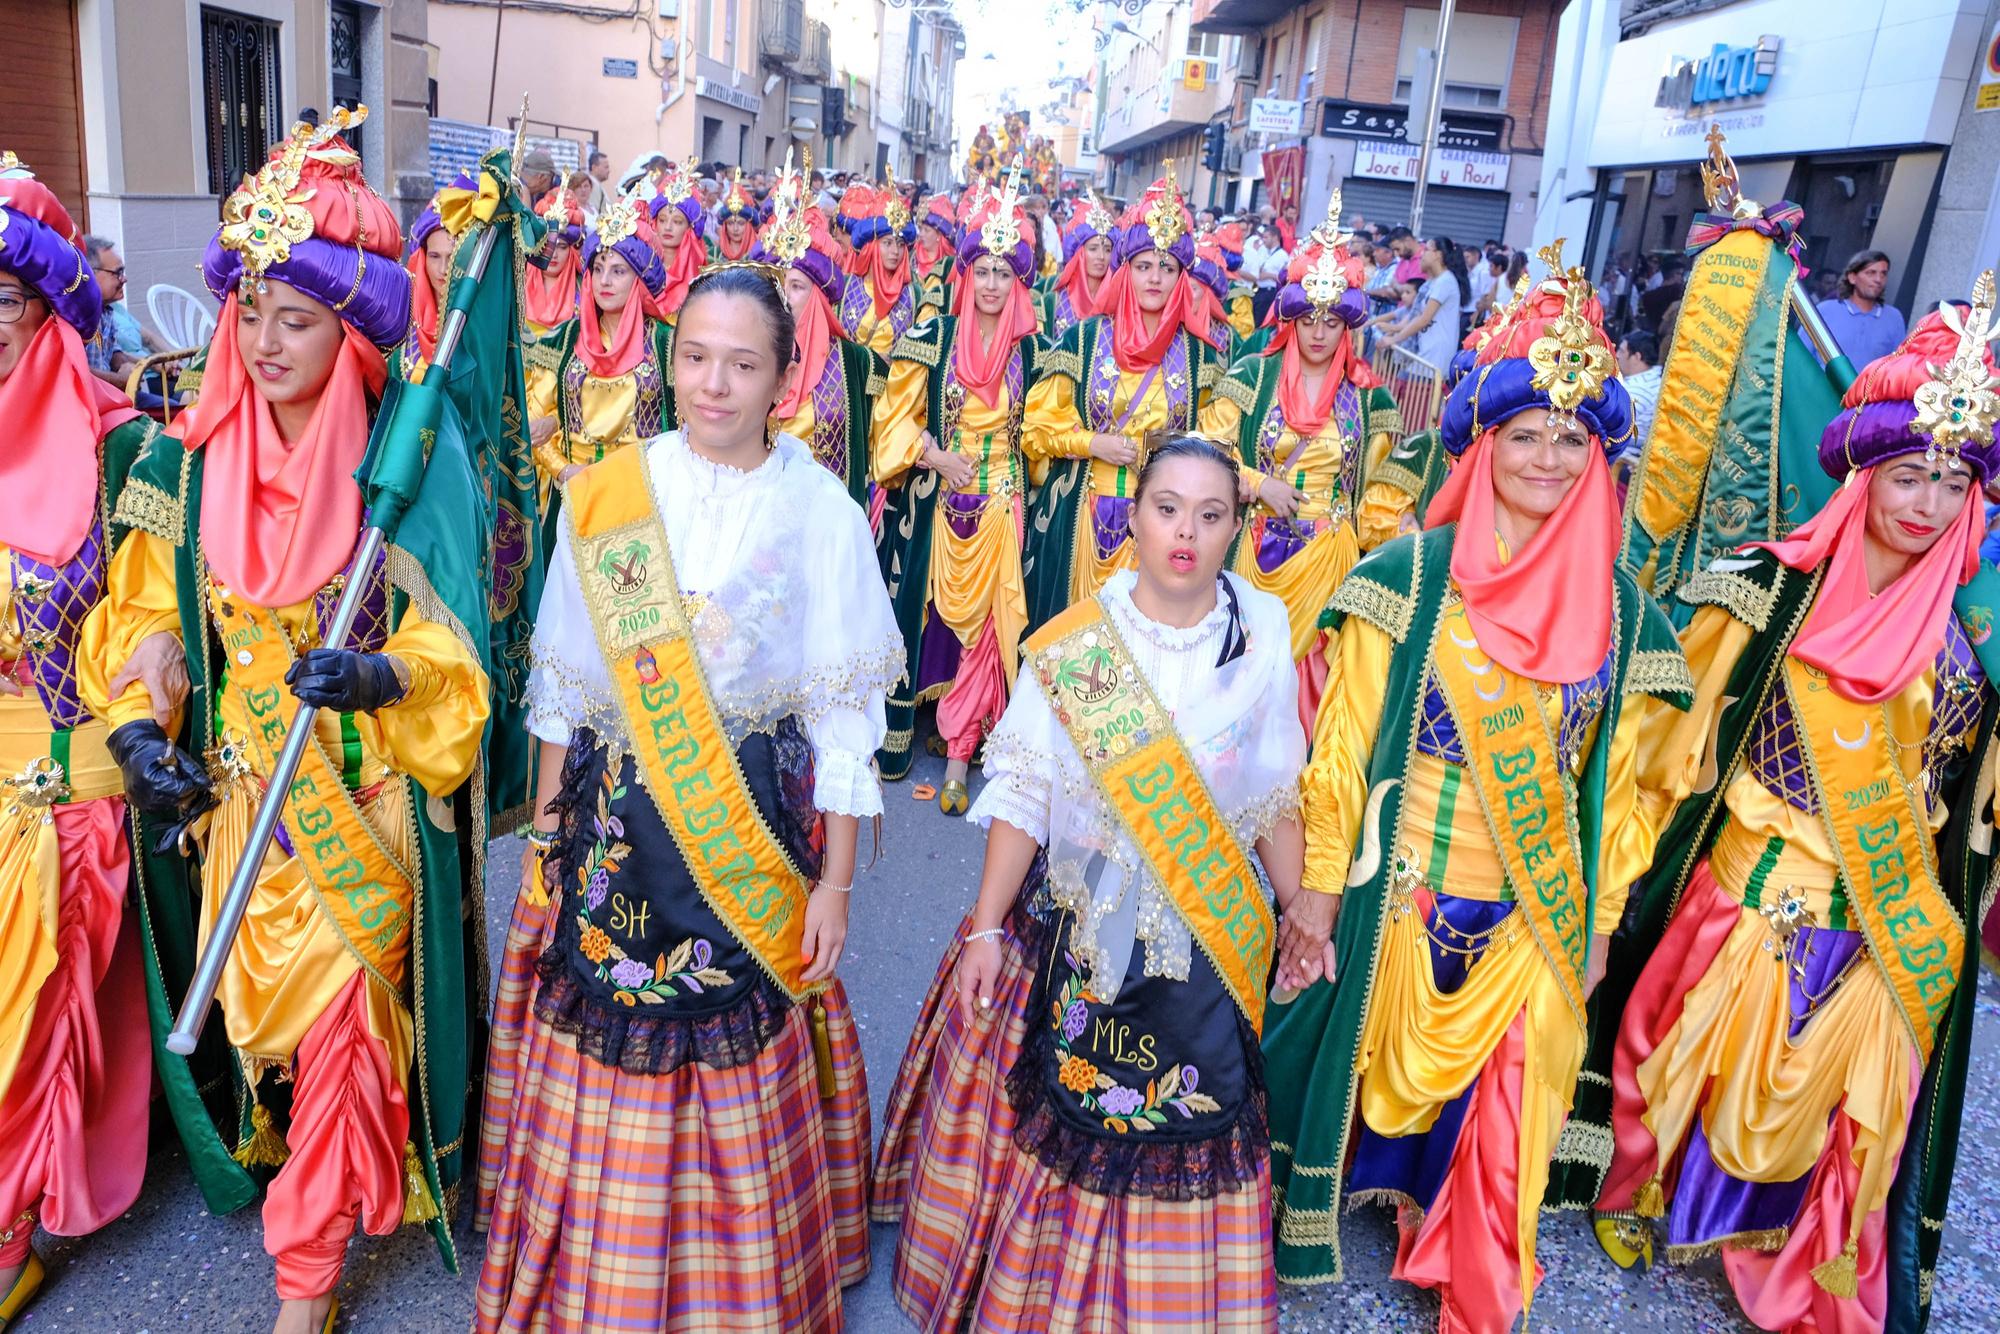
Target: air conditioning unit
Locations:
point(1232, 159)
point(1250, 65)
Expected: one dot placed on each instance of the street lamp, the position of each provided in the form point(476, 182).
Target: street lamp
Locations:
point(1120, 26)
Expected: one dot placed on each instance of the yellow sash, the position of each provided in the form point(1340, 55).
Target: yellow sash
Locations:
point(1880, 834)
point(1720, 302)
point(1516, 768)
point(365, 891)
point(626, 567)
point(1147, 778)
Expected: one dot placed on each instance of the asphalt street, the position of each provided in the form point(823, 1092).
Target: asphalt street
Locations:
point(168, 1265)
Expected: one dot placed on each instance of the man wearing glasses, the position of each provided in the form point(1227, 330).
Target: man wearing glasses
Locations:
point(119, 343)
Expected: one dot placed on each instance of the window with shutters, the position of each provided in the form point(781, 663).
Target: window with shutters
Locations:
point(243, 94)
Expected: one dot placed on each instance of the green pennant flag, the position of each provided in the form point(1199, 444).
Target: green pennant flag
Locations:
point(1733, 456)
point(485, 393)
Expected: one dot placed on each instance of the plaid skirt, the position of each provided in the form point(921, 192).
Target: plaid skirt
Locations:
point(991, 1237)
point(950, 1137)
point(700, 1199)
point(529, 930)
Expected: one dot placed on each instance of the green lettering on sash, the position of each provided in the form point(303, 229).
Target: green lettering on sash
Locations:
point(701, 819)
point(681, 754)
point(686, 788)
point(1906, 921)
point(1202, 871)
point(1513, 764)
point(1145, 787)
point(1875, 837)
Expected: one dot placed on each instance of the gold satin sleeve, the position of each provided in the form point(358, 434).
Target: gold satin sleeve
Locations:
point(902, 415)
point(138, 603)
point(1051, 427)
point(1680, 747)
point(1384, 511)
point(1334, 789)
point(433, 732)
point(1632, 819)
point(1223, 419)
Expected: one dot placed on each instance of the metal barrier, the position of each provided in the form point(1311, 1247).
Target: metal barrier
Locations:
point(1415, 384)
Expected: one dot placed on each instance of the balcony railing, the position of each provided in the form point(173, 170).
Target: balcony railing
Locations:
point(815, 61)
point(783, 30)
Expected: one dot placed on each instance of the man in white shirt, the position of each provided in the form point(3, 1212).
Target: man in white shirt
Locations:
point(1639, 368)
point(1265, 260)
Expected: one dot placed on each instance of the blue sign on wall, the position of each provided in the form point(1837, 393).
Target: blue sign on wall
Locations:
point(620, 69)
point(1725, 74)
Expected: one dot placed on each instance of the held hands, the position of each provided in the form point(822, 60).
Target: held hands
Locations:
point(1114, 449)
point(345, 680)
point(1593, 969)
point(977, 977)
point(954, 468)
point(826, 932)
point(1305, 940)
point(540, 429)
point(160, 665)
point(1280, 499)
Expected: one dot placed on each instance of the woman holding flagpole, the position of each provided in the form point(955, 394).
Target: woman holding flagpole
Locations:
point(1790, 1065)
point(236, 538)
point(685, 1144)
point(1475, 811)
point(1077, 1137)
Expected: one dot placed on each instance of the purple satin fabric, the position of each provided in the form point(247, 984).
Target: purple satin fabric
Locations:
point(372, 293)
point(1876, 432)
point(1278, 540)
point(825, 274)
point(1709, 1204)
point(1351, 310)
point(57, 271)
point(1415, 1165)
point(1110, 523)
point(1021, 258)
point(645, 260)
point(1133, 242)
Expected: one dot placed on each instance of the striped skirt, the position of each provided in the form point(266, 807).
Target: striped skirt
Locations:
point(991, 1239)
point(700, 1199)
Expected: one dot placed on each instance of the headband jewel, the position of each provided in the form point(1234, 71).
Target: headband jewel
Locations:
point(789, 236)
point(1001, 233)
point(1957, 406)
point(619, 220)
point(1164, 222)
point(677, 182)
point(1099, 217)
point(1570, 360)
point(1325, 282)
point(1328, 233)
point(264, 217)
point(894, 211)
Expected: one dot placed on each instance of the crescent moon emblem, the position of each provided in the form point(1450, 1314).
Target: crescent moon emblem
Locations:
point(1476, 671)
point(1499, 689)
point(1462, 643)
point(1845, 744)
point(1369, 860)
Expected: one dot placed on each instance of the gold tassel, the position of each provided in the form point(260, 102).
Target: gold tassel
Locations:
point(419, 1205)
point(1651, 1201)
point(1839, 1276)
point(822, 1050)
point(265, 1147)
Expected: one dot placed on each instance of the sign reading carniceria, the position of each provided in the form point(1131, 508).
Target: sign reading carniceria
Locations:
point(1693, 85)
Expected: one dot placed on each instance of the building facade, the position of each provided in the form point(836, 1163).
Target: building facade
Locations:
point(1338, 79)
point(1850, 110)
point(1160, 83)
point(141, 117)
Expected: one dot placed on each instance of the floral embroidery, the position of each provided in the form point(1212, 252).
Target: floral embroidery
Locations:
point(688, 968)
point(1124, 1110)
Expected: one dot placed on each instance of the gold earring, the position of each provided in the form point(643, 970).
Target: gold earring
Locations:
point(770, 431)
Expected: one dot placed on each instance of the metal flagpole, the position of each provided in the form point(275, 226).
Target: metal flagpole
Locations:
point(236, 902)
point(1431, 122)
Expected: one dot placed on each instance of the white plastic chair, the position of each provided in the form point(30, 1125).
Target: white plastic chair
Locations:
point(181, 317)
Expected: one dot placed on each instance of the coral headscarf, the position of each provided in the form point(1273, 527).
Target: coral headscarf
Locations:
point(548, 296)
point(279, 518)
point(54, 407)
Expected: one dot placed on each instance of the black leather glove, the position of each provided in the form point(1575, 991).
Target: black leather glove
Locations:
point(343, 679)
point(160, 778)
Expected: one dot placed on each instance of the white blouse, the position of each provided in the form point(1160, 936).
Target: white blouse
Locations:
point(1240, 723)
point(792, 618)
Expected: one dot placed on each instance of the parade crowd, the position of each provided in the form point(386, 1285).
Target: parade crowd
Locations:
point(1580, 798)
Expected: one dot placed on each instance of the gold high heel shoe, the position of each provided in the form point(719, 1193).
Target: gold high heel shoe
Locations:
point(954, 798)
point(27, 1286)
point(331, 1312)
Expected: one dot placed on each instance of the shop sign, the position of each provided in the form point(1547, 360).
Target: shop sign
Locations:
point(1371, 123)
point(1691, 85)
point(1449, 166)
point(715, 91)
point(1275, 115)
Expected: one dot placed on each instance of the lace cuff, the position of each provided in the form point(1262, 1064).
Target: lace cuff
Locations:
point(844, 783)
point(1017, 798)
